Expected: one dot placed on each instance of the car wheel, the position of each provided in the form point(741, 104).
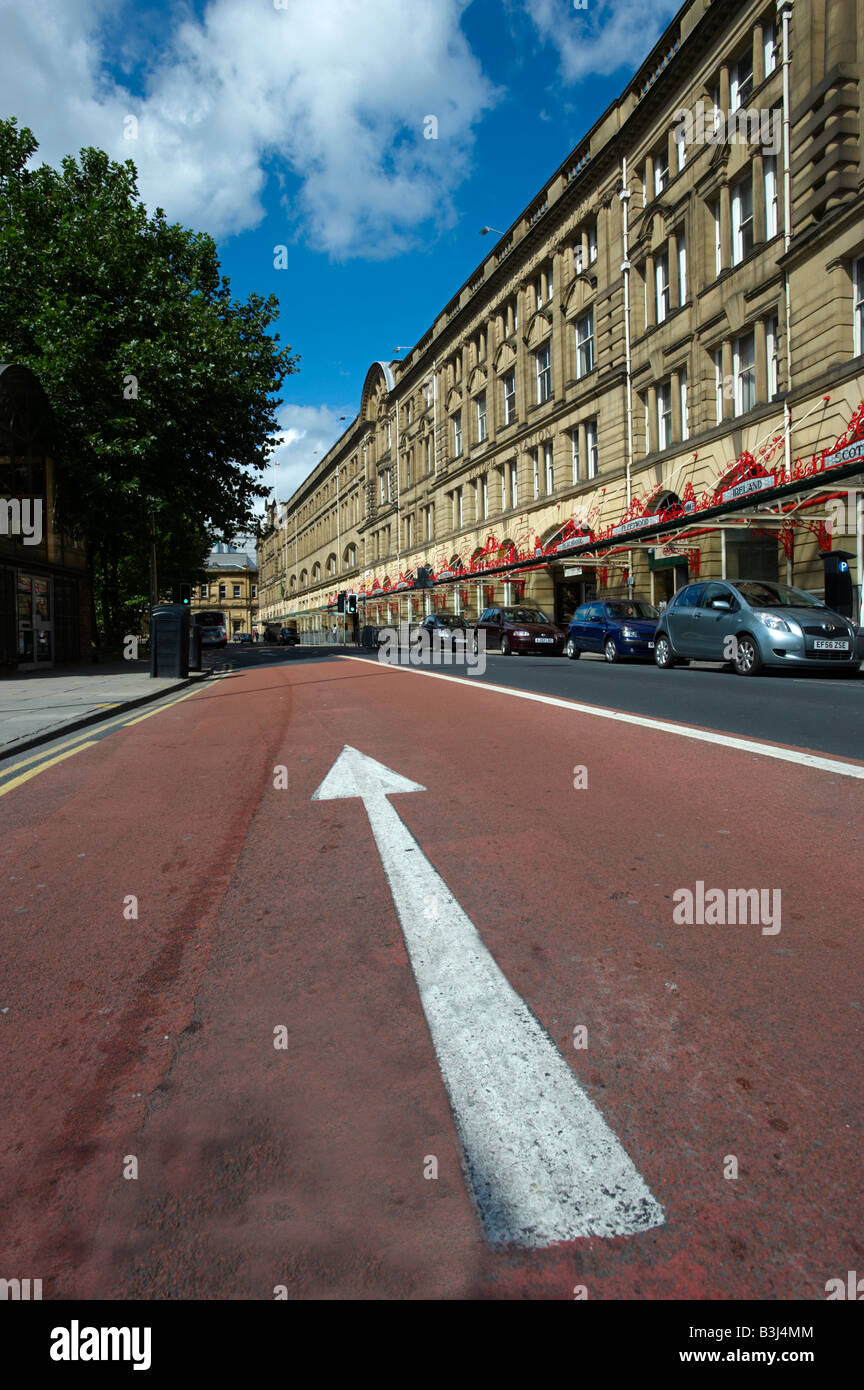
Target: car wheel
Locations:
point(506, 649)
point(610, 651)
point(748, 658)
point(663, 653)
point(475, 647)
point(571, 650)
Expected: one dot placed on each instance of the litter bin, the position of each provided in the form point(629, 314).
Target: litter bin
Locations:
point(169, 640)
point(195, 636)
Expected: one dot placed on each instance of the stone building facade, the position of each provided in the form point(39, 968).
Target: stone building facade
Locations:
point(646, 365)
point(232, 586)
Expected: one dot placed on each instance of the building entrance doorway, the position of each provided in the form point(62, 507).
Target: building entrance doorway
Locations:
point(35, 619)
point(570, 594)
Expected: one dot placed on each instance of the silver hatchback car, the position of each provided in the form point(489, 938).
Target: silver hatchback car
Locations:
point(752, 624)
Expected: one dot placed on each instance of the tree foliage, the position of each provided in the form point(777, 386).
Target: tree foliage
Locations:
point(163, 387)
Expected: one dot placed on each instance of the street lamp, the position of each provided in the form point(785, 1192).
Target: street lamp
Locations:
point(484, 231)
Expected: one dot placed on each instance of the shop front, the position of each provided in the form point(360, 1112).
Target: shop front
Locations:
point(44, 587)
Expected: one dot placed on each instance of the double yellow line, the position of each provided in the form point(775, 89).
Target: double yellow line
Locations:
point(52, 756)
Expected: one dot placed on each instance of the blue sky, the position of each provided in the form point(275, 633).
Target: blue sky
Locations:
point(300, 123)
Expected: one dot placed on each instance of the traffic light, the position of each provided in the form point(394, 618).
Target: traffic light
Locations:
point(340, 601)
point(181, 593)
point(352, 603)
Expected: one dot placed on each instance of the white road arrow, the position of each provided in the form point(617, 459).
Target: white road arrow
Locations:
point(542, 1163)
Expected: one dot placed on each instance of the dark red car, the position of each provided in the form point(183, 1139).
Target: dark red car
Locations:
point(517, 628)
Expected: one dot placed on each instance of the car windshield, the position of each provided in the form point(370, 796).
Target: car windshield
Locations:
point(449, 620)
point(524, 615)
point(632, 608)
point(765, 593)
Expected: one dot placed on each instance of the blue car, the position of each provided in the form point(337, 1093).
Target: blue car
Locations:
point(617, 628)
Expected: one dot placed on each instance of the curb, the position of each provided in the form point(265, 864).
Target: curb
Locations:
point(9, 750)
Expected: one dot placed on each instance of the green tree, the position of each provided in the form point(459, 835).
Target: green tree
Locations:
point(163, 387)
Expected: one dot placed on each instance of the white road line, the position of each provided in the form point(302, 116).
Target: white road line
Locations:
point(663, 726)
point(541, 1161)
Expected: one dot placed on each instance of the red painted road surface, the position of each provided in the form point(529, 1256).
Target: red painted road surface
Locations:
point(257, 908)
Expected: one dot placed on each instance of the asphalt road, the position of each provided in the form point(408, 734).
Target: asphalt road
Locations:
point(267, 1025)
point(808, 711)
point(425, 1025)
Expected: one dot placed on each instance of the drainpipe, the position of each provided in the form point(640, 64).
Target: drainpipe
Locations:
point(786, 15)
point(430, 541)
point(624, 196)
point(435, 418)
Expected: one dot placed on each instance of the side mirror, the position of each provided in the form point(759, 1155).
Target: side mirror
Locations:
point(722, 605)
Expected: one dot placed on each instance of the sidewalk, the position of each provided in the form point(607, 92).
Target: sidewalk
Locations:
point(43, 705)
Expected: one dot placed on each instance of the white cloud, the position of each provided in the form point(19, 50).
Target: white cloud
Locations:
point(604, 36)
point(306, 432)
point(332, 93)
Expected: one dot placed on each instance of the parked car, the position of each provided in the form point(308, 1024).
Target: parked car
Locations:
point(513, 628)
point(752, 624)
point(289, 637)
point(446, 625)
point(616, 627)
point(243, 637)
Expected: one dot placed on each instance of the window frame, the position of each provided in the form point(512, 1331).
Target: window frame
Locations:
point(742, 227)
point(858, 305)
point(769, 48)
point(661, 168)
point(741, 373)
point(544, 373)
point(772, 356)
point(584, 343)
point(736, 100)
point(664, 414)
point(482, 430)
point(662, 296)
point(771, 198)
point(592, 453)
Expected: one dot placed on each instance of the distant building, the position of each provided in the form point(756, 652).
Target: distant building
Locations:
point(44, 584)
point(655, 375)
point(232, 586)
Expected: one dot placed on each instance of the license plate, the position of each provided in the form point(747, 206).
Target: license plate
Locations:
point(823, 644)
point(544, 639)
